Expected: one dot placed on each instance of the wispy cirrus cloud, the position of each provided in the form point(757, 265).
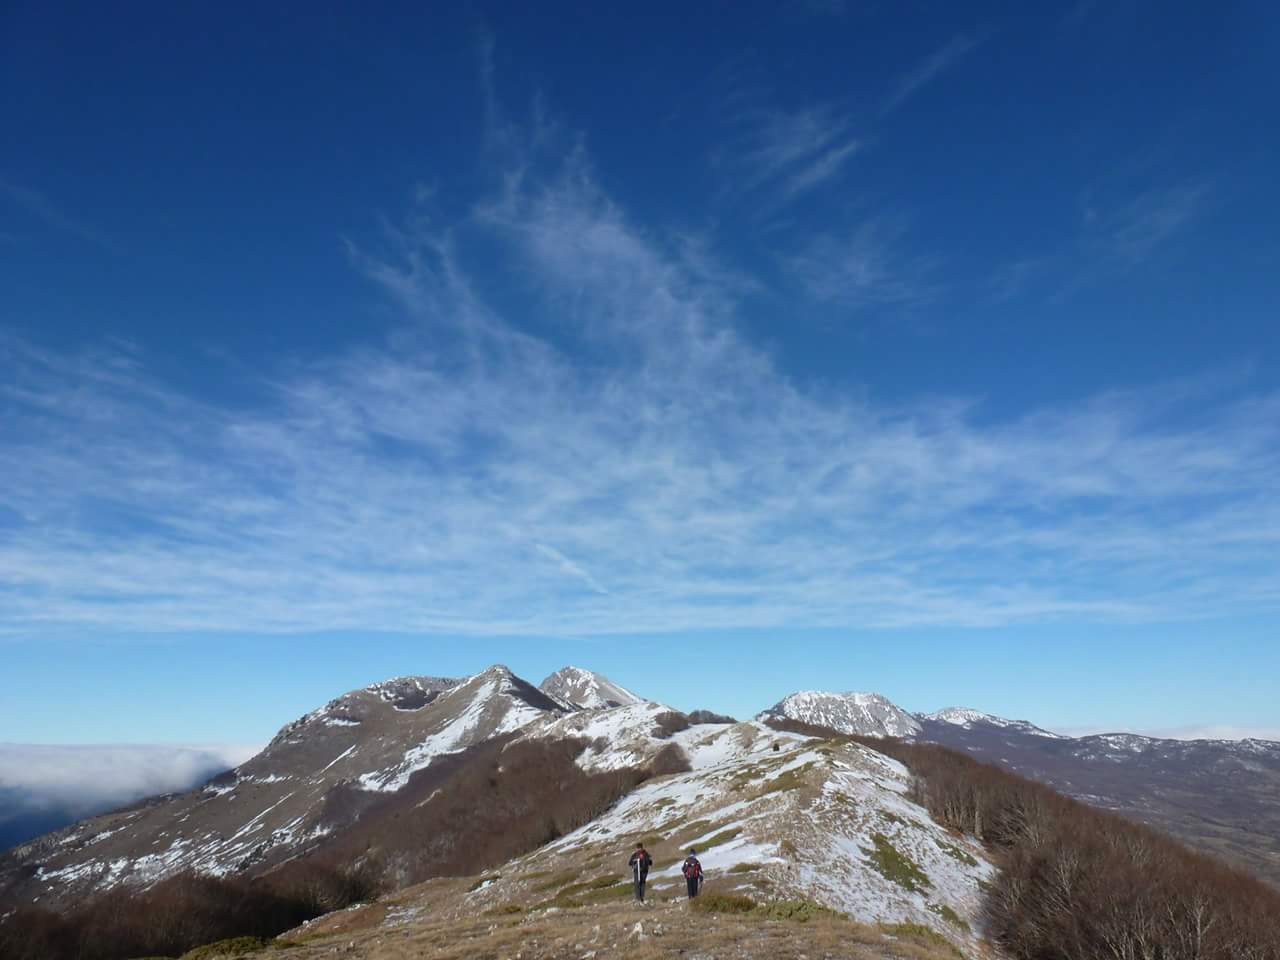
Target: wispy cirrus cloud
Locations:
point(864, 266)
point(791, 153)
point(42, 208)
point(1128, 233)
point(924, 72)
point(638, 467)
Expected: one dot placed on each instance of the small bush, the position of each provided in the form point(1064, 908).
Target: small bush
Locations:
point(669, 723)
point(894, 865)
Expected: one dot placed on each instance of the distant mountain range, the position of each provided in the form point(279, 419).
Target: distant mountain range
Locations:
point(496, 764)
point(1221, 796)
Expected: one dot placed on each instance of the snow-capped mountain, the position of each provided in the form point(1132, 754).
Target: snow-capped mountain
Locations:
point(319, 775)
point(587, 690)
point(969, 719)
point(418, 771)
point(865, 714)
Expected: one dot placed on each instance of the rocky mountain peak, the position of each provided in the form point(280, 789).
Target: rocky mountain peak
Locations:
point(865, 714)
point(587, 690)
point(968, 719)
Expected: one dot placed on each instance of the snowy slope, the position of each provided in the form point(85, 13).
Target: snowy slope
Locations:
point(773, 815)
point(314, 779)
point(968, 719)
point(866, 714)
point(587, 690)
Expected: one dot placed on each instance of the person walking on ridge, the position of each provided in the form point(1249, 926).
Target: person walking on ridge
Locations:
point(640, 863)
point(692, 871)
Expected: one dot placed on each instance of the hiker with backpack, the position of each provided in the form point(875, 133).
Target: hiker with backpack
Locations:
point(640, 863)
point(692, 871)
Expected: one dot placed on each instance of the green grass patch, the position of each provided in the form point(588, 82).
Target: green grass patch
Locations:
point(920, 934)
point(722, 903)
point(481, 881)
point(618, 891)
point(794, 911)
point(229, 948)
point(693, 830)
point(558, 880)
point(894, 865)
point(790, 780)
point(504, 910)
point(599, 890)
point(797, 911)
point(724, 836)
point(957, 853)
point(949, 915)
point(599, 883)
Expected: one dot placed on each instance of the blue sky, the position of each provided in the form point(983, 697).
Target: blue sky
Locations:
point(925, 348)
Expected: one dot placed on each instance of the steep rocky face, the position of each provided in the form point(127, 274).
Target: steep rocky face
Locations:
point(587, 690)
point(865, 714)
point(313, 781)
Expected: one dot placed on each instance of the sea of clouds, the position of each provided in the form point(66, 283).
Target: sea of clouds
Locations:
point(43, 787)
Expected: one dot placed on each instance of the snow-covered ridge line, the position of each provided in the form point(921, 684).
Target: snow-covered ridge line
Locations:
point(866, 714)
point(965, 717)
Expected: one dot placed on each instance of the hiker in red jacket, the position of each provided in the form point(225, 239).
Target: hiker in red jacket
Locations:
point(692, 871)
point(640, 863)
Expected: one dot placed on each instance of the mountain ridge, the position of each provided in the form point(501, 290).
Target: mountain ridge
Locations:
point(353, 757)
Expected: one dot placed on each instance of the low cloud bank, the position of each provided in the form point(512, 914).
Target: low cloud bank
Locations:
point(44, 787)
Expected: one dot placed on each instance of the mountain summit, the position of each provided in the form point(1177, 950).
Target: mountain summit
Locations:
point(587, 690)
point(866, 714)
point(969, 719)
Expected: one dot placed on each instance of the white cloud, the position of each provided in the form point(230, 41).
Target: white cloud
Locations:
point(638, 467)
point(863, 267)
point(929, 69)
point(1130, 232)
point(80, 780)
point(790, 153)
point(42, 208)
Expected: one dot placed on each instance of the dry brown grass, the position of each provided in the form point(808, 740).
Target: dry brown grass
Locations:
point(609, 930)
